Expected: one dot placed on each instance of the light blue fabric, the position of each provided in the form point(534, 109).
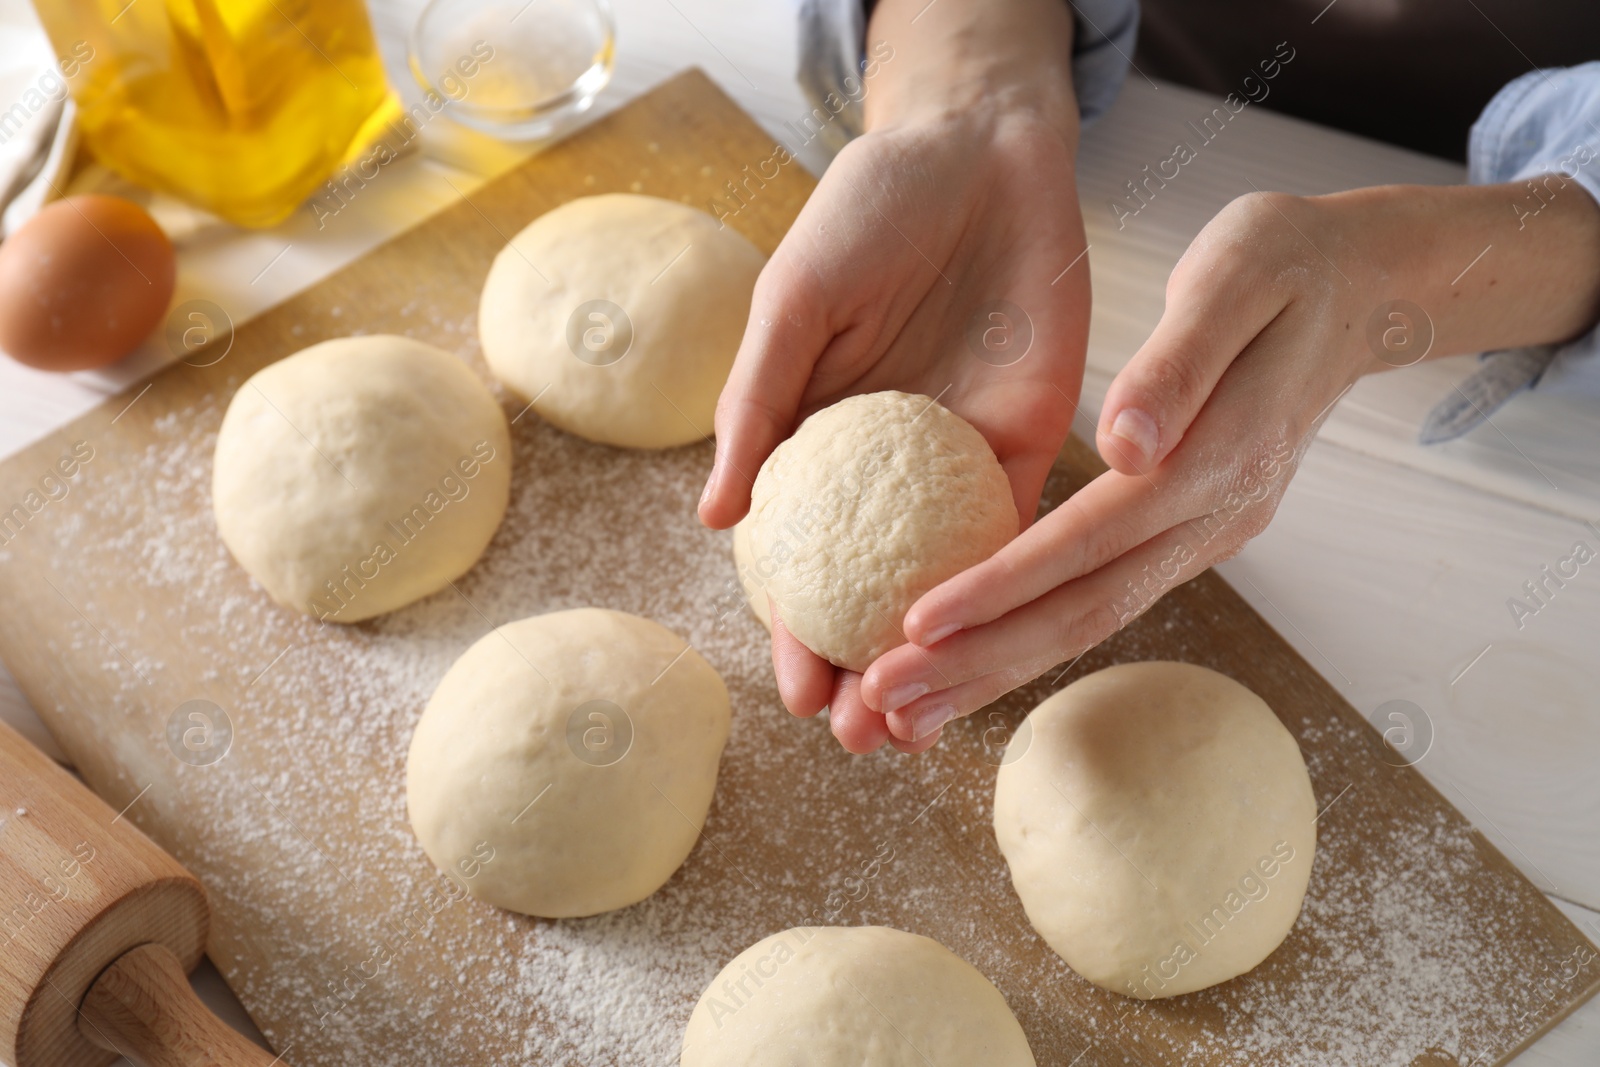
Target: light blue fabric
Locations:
point(832, 59)
point(1500, 376)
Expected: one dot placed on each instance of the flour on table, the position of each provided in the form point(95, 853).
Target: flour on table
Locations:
point(324, 900)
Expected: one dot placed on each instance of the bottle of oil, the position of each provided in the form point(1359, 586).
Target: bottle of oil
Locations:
point(242, 107)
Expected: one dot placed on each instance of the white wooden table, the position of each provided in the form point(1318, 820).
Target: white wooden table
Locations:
point(1388, 565)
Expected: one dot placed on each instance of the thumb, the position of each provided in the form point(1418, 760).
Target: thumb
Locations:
point(785, 335)
point(1153, 400)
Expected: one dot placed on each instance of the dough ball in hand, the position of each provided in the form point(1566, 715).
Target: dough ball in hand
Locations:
point(1160, 826)
point(360, 474)
point(620, 315)
point(838, 996)
point(576, 750)
point(872, 503)
point(752, 580)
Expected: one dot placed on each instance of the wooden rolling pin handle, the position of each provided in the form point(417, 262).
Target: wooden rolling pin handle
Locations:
point(142, 1006)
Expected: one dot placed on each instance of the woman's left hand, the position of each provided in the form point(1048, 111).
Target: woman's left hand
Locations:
point(1267, 324)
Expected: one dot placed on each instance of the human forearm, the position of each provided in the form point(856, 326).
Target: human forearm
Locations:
point(961, 55)
point(1487, 274)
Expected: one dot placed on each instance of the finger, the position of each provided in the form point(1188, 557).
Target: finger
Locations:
point(1013, 649)
point(859, 729)
point(928, 718)
point(1153, 399)
point(911, 748)
point(805, 679)
point(1054, 628)
point(912, 677)
point(785, 334)
point(1106, 518)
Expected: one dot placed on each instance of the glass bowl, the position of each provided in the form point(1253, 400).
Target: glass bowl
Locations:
point(515, 69)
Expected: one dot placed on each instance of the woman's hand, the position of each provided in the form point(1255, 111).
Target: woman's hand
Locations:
point(1277, 307)
point(961, 195)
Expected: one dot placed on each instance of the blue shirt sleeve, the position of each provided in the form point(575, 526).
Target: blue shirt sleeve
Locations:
point(1544, 130)
point(835, 73)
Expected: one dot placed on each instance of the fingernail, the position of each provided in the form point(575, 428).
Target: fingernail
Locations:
point(901, 695)
point(1138, 429)
point(939, 633)
point(926, 720)
point(711, 480)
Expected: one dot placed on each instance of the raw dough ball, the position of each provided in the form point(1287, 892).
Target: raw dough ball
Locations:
point(360, 474)
point(1159, 827)
point(750, 578)
point(579, 749)
point(649, 376)
point(873, 502)
point(838, 996)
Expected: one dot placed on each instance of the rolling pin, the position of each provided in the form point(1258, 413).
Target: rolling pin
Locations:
point(98, 929)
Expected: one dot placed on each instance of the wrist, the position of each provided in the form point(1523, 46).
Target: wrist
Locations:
point(969, 58)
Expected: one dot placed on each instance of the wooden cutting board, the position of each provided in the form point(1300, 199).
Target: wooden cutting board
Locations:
point(1419, 944)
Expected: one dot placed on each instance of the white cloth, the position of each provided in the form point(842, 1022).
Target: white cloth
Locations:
point(37, 130)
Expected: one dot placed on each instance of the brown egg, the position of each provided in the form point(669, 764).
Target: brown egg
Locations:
point(83, 282)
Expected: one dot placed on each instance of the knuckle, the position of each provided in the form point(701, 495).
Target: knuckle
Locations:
point(957, 666)
point(1104, 541)
point(1230, 548)
point(1256, 519)
point(859, 153)
point(1021, 674)
point(1078, 631)
point(1248, 500)
point(1263, 212)
point(784, 287)
point(1171, 380)
point(1100, 623)
point(1249, 238)
point(1213, 262)
point(763, 411)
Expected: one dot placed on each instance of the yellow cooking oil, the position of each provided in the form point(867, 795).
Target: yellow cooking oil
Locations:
point(242, 107)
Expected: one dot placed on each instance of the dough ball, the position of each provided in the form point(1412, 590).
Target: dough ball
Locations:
point(621, 314)
point(360, 474)
point(873, 502)
point(1159, 827)
point(844, 996)
point(578, 750)
point(750, 579)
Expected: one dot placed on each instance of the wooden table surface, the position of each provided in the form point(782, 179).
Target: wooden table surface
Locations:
point(1387, 567)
